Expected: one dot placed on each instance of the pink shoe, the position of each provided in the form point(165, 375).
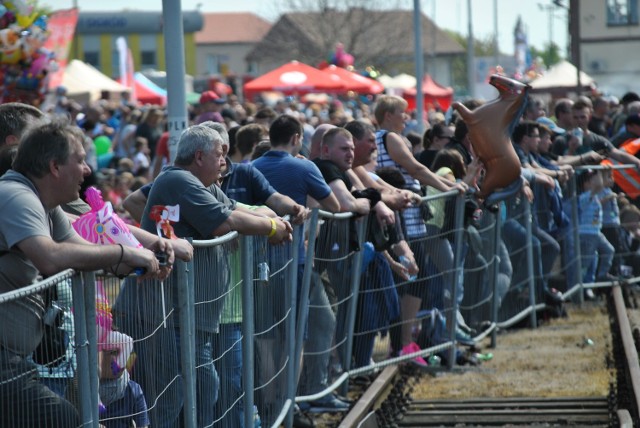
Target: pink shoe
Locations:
point(410, 349)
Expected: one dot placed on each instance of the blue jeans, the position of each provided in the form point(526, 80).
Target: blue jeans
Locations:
point(597, 253)
point(207, 381)
point(227, 347)
point(515, 239)
point(321, 330)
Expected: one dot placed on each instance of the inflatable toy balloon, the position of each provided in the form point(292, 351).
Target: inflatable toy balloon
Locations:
point(25, 20)
point(3, 10)
point(163, 216)
point(102, 225)
point(10, 46)
point(39, 64)
point(490, 127)
point(19, 6)
point(103, 145)
point(41, 22)
point(346, 60)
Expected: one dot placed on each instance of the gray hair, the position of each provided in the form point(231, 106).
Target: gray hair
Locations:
point(222, 130)
point(633, 108)
point(197, 137)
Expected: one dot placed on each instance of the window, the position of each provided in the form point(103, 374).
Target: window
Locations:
point(148, 59)
point(217, 64)
point(92, 58)
point(91, 50)
point(212, 64)
point(622, 12)
point(148, 48)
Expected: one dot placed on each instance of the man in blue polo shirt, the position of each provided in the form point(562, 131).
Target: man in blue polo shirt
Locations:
point(297, 178)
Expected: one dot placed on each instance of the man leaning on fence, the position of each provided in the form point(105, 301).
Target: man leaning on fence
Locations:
point(205, 212)
point(37, 240)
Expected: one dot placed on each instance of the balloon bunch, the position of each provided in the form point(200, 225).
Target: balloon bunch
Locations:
point(24, 63)
point(371, 72)
point(338, 57)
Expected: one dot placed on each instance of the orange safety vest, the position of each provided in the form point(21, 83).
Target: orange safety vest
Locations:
point(627, 179)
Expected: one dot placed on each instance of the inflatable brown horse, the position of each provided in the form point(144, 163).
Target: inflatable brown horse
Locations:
point(490, 127)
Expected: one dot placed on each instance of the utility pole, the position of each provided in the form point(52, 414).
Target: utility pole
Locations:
point(496, 44)
point(470, 54)
point(419, 58)
point(574, 33)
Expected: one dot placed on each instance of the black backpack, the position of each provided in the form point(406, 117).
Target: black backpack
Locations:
point(51, 351)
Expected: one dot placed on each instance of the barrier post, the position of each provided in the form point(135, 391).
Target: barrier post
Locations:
point(532, 291)
point(303, 312)
point(356, 273)
point(89, 279)
point(458, 262)
point(292, 367)
point(248, 330)
point(497, 236)
point(82, 351)
point(575, 221)
point(185, 289)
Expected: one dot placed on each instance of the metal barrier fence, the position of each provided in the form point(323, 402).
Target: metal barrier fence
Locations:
point(48, 365)
point(219, 343)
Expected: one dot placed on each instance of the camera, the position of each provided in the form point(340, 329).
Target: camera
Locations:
point(161, 257)
point(54, 315)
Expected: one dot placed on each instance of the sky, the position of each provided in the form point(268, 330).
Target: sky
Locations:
point(449, 14)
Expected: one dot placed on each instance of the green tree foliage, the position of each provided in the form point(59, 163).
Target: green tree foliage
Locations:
point(482, 47)
point(486, 47)
point(550, 55)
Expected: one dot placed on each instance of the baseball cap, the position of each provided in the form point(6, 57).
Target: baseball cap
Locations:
point(551, 125)
point(633, 119)
point(210, 96)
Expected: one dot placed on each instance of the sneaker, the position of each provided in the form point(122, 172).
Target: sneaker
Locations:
point(328, 404)
point(589, 294)
point(302, 420)
point(463, 338)
point(410, 349)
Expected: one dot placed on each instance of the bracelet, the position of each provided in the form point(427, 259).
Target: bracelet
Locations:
point(274, 228)
point(580, 158)
point(115, 271)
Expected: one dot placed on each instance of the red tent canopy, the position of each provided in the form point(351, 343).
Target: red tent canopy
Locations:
point(353, 81)
point(293, 78)
point(145, 95)
point(433, 94)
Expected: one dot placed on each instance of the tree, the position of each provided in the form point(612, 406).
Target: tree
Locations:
point(375, 32)
point(482, 47)
point(550, 55)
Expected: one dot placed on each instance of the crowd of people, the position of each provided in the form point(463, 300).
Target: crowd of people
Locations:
point(244, 166)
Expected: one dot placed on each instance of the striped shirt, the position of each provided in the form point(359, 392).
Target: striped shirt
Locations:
point(414, 224)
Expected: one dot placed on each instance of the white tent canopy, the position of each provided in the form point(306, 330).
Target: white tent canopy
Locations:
point(86, 83)
point(401, 81)
point(563, 75)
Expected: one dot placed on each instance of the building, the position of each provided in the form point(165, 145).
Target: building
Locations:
point(383, 39)
point(608, 43)
point(97, 32)
point(225, 41)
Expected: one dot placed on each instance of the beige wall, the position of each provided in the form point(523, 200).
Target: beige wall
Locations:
point(235, 52)
point(609, 54)
point(593, 22)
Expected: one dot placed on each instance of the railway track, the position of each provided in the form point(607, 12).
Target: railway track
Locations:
point(388, 401)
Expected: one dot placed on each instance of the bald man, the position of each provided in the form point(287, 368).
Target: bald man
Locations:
point(316, 139)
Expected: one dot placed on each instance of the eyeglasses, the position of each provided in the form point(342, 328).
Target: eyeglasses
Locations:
point(534, 136)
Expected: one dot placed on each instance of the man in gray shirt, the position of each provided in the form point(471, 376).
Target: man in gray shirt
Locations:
point(36, 239)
